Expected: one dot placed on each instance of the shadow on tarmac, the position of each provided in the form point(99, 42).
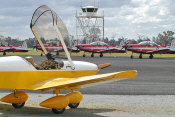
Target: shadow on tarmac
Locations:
point(8, 110)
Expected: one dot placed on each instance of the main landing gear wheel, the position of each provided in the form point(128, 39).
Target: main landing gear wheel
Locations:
point(101, 55)
point(151, 56)
point(74, 105)
point(140, 56)
point(131, 56)
point(18, 105)
point(41, 54)
point(4, 53)
point(57, 53)
point(92, 55)
point(84, 55)
point(58, 111)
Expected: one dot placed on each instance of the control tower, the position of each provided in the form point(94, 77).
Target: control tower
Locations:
point(89, 25)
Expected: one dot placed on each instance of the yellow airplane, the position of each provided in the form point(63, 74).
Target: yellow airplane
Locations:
point(19, 74)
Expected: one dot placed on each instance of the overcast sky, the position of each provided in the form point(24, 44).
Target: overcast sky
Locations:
point(127, 18)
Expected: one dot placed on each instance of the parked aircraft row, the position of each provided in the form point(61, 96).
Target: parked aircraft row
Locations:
point(145, 47)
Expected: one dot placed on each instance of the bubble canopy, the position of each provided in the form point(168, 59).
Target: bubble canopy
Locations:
point(45, 23)
point(48, 27)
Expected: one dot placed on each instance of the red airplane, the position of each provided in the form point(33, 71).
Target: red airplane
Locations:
point(56, 49)
point(12, 48)
point(99, 47)
point(146, 47)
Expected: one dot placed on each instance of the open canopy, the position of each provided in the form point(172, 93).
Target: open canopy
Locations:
point(48, 27)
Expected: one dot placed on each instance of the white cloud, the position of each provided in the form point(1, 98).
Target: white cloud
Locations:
point(126, 18)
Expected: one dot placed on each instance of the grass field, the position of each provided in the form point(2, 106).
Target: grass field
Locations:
point(38, 52)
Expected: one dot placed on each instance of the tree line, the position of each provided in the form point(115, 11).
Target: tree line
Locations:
point(163, 39)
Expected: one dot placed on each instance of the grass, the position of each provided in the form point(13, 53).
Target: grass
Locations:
point(38, 52)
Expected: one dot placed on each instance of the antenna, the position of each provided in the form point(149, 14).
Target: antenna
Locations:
point(94, 3)
point(81, 3)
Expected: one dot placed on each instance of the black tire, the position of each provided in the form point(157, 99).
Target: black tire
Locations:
point(131, 56)
point(151, 57)
point(57, 53)
point(18, 105)
point(101, 55)
point(140, 57)
point(41, 54)
point(74, 105)
point(58, 111)
point(84, 55)
point(4, 53)
point(92, 55)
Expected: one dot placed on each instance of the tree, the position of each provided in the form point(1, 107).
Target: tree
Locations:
point(165, 38)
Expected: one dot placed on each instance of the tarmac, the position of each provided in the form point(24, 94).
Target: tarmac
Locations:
point(151, 93)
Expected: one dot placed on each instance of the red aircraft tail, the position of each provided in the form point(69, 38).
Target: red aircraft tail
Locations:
point(24, 45)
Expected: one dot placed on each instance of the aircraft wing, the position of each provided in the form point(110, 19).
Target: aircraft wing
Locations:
point(67, 83)
point(111, 50)
point(7, 50)
point(157, 51)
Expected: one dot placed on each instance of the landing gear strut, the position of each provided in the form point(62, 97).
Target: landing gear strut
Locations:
point(132, 56)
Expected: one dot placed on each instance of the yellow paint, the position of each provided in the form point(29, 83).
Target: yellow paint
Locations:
point(19, 97)
point(58, 102)
point(68, 83)
point(101, 66)
point(74, 97)
point(27, 79)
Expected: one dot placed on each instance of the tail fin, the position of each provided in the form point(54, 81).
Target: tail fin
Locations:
point(24, 45)
point(121, 43)
point(172, 44)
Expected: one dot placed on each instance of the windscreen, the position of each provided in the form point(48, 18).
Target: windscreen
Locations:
point(43, 24)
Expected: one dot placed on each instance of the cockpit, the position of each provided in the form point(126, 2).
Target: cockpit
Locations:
point(48, 28)
point(98, 43)
point(147, 43)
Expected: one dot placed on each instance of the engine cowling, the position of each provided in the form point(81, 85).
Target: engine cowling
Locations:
point(17, 97)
